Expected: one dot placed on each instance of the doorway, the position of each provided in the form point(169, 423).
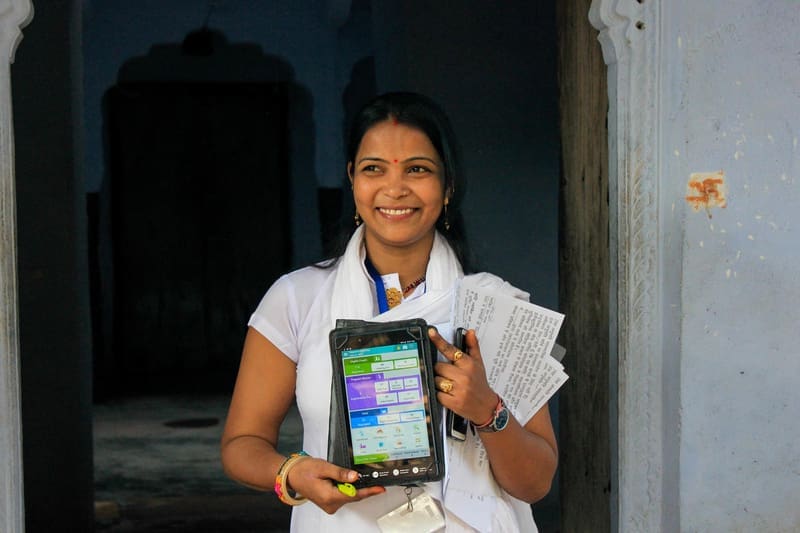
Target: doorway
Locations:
point(200, 226)
point(582, 15)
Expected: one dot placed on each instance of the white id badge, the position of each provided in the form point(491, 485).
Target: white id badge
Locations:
point(423, 515)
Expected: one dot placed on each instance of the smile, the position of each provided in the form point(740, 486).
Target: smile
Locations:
point(396, 212)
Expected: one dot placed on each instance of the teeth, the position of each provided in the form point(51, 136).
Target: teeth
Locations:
point(395, 211)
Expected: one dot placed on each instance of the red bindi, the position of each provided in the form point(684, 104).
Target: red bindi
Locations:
point(395, 160)
point(394, 121)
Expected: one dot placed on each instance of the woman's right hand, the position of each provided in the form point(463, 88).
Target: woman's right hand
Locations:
point(316, 479)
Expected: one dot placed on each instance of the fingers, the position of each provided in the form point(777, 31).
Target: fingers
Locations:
point(319, 481)
point(471, 341)
point(461, 382)
point(452, 353)
point(444, 385)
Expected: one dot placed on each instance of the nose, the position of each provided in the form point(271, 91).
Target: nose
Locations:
point(395, 185)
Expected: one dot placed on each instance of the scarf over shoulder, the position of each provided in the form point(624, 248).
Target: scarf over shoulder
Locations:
point(352, 296)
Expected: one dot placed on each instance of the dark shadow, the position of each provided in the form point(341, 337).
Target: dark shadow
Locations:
point(213, 204)
point(230, 173)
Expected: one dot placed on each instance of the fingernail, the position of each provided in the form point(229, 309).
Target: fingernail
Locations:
point(431, 330)
point(352, 476)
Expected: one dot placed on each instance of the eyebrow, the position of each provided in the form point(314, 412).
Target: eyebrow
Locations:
point(408, 160)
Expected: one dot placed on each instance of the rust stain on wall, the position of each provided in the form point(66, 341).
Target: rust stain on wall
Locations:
point(706, 190)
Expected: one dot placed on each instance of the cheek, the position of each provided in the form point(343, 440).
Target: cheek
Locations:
point(434, 194)
point(361, 192)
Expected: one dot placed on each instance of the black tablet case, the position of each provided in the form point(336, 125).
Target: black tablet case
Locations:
point(338, 449)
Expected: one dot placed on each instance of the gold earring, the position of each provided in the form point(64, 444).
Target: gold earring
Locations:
point(446, 221)
point(357, 219)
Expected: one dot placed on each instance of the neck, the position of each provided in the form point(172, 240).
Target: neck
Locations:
point(410, 262)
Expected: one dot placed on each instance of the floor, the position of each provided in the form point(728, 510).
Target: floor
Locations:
point(157, 469)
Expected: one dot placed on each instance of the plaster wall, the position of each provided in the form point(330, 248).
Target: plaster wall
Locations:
point(731, 102)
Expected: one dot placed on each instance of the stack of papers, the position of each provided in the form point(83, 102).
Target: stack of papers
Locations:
point(516, 340)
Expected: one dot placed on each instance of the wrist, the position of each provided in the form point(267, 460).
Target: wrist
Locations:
point(499, 419)
point(282, 489)
point(486, 421)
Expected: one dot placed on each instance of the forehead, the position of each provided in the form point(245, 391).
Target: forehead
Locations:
point(396, 140)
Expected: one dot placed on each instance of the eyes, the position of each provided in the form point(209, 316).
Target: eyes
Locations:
point(378, 169)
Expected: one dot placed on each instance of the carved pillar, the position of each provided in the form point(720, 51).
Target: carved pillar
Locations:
point(629, 34)
point(14, 15)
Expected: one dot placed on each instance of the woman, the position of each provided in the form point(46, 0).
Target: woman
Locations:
point(402, 171)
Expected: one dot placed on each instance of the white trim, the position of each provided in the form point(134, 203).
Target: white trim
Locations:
point(629, 35)
point(14, 15)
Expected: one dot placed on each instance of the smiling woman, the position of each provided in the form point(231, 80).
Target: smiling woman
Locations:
point(399, 193)
point(399, 263)
point(407, 135)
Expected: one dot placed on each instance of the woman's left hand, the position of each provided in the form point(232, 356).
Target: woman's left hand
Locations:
point(461, 383)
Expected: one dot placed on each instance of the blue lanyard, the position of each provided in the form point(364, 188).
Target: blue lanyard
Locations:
point(383, 305)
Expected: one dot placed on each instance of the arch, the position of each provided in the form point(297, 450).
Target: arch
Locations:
point(14, 15)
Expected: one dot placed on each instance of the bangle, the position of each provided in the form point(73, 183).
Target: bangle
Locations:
point(491, 418)
point(281, 486)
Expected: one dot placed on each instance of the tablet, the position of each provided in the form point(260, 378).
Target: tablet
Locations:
point(385, 420)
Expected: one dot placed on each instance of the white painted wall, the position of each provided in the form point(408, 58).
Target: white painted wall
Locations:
point(730, 91)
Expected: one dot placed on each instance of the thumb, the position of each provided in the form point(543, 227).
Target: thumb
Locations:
point(344, 475)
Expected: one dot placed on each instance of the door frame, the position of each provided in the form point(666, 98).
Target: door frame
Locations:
point(14, 15)
point(630, 36)
point(630, 40)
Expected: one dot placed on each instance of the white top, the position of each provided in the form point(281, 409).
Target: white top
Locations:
point(295, 315)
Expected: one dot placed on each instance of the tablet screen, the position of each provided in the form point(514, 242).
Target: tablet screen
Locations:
point(385, 403)
point(387, 408)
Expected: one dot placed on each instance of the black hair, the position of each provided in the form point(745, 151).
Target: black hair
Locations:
point(422, 113)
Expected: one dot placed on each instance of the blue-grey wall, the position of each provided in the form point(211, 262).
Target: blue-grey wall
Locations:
point(731, 91)
point(494, 70)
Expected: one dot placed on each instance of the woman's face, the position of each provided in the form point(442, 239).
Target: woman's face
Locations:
point(398, 184)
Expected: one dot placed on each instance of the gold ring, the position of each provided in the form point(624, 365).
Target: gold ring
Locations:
point(446, 385)
point(458, 355)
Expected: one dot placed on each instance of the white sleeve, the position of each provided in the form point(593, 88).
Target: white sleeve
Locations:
point(276, 317)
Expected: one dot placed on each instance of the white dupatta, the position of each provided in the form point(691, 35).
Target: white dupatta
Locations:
point(353, 297)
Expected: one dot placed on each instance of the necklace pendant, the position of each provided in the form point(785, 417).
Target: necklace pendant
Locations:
point(393, 297)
